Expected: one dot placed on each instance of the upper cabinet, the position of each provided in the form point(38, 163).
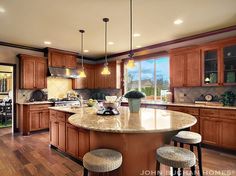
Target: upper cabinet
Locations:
point(58, 58)
point(95, 80)
point(185, 67)
point(219, 63)
point(33, 72)
point(85, 83)
point(108, 81)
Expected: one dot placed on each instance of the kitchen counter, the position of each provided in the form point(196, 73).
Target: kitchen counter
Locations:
point(35, 103)
point(158, 103)
point(76, 110)
point(146, 121)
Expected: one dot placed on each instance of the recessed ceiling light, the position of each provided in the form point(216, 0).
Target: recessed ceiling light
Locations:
point(178, 21)
point(47, 42)
point(110, 43)
point(137, 35)
point(138, 46)
point(2, 10)
point(86, 51)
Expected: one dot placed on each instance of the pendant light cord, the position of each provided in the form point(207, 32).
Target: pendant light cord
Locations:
point(131, 28)
point(82, 47)
point(106, 20)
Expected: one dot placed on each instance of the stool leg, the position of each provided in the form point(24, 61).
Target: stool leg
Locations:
point(181, 169)
point(158, 169)
point(85, 172)
point(199, 151)
point(175, 171)
point(175, 143)
point(191, 148)
point(193, 170)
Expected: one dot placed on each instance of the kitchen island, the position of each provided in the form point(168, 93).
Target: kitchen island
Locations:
point(135, 135)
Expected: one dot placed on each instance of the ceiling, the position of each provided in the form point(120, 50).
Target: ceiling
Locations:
point(31, 22)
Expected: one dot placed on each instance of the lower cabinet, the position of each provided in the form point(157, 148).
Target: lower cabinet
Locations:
point(227, 133)
point(33, 117)
point(72, 140)
point(66, 137)
point(217, 126)
point(210, 130)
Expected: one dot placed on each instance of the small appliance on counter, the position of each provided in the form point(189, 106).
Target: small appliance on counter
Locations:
point(38, 95)
point(110, 106)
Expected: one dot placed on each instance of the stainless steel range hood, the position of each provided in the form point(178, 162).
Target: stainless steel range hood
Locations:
point(63, 72)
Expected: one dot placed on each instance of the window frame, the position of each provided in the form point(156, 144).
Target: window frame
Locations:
point(138, 61)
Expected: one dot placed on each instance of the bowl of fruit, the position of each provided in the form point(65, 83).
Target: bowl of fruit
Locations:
point(91, 102)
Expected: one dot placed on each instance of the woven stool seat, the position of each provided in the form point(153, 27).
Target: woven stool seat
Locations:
point(102, 160)
point(175, 157)
point(187, 137)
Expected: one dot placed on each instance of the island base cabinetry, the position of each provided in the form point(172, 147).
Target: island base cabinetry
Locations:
point(66, 137)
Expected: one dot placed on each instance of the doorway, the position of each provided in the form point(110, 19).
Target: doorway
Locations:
point(7, 97)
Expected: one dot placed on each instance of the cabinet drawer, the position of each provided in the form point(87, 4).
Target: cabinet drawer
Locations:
point(39, 107)
point(61, 116)
point(192, 111)
point(53, 115)
point(231, 114)
point(209, 112)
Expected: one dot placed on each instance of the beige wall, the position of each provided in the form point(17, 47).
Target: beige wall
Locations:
point(58, 87)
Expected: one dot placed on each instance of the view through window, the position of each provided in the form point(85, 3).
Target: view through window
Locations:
point(149, 76)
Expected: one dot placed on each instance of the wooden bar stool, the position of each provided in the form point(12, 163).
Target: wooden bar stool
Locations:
point(175, 157)
point(102, 161)
point(192, 139)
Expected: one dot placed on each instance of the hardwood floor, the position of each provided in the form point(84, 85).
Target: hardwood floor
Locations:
point(31, 155)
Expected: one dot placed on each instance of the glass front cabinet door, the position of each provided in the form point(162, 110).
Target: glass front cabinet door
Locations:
point(229, 64)
point(211, 67)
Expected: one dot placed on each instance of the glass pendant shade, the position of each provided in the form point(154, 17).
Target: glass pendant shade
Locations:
point(130, 63)
point(82, 74)
point(105, 71)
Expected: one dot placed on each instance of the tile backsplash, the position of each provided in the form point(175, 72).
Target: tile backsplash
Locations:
point(189, 95)
point(98, 93)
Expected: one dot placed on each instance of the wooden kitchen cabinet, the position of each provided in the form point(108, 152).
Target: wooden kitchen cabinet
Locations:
point(185, 67)
point(66, 137)
point(227, 133)
point(33, 72)
point(85, 83)
point(33, 117)
point(54, 132)
point(108, 81)
point(63, 59)
point(219, 62)
point(72, 140)
point(209, 127)
point(58, 129)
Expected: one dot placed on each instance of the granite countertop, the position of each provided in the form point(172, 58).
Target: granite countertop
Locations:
point(146, 121)
point(35, 102)
point(159, 103)
point(69, 109)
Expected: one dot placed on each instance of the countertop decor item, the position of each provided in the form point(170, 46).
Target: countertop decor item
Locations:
point(228, 98)
point(134, 99)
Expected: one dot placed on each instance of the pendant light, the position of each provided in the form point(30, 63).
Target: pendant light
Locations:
point(82, 72)
point(105, 70)
point(131, 63)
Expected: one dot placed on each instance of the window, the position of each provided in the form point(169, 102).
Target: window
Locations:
point(149, 76)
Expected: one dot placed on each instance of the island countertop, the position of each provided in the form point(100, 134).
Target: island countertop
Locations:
point(146, 121)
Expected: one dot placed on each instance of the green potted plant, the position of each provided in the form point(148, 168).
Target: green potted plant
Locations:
point(134, 99)
point(228, 98)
